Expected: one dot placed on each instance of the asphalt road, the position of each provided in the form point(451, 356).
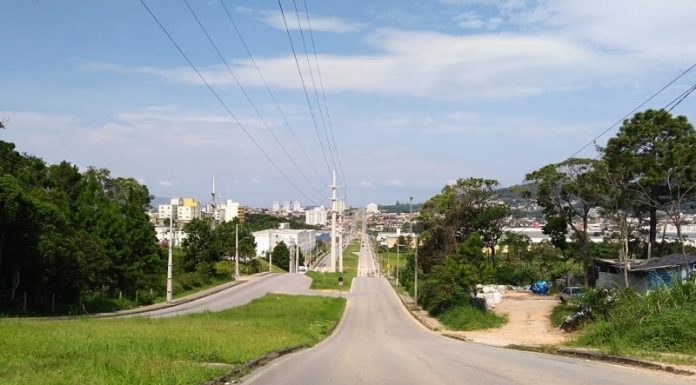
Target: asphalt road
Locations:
point(239, 295)
point(377, 342)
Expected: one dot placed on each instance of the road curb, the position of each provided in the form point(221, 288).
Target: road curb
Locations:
point(239, 370)
point(603, 357)
point(560, 351)
point(158, 306)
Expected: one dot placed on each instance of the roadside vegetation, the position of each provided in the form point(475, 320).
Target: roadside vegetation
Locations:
point(463, 242)
point(160, 351)
point(622, 322)
point(467, 317)
point(328, 281)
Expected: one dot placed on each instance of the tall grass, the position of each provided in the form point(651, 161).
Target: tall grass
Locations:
point(467, 317)
point(159, 351)
point(662, 321)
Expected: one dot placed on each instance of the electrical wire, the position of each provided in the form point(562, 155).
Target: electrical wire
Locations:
point(314, 85)
point(304, 87)
point(269, 91)
point(323, 93)
point(222, 102)
point(671, 105)
point(246, 94)
point(633, 111)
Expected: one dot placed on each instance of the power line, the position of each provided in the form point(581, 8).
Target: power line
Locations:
point(268, 90)
point(323, 92)
point(314, 84)
point(304, 87)
point(671, 105)
point(633, 111)
point(221, 101)
point(246, 95)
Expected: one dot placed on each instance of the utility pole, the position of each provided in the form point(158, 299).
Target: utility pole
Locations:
point(170, 259)
point(333, 223)
point(415, 255)
point(297, 257)
point(212, 204)
point(236, 251)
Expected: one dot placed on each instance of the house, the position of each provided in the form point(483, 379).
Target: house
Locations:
point(644, 274)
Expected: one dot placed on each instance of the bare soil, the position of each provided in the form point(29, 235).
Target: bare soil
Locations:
point(529, 322)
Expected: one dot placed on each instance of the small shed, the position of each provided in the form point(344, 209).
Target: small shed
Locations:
point(645, 274)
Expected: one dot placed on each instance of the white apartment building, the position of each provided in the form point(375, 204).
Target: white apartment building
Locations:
point(296, 206)
point(188, 213)
point(372, 208)
point(286, 207)
point(226, 212)
point(166, 211)
point(316, 216)
point(340, 206)
point(266, 240)
point(275, 207)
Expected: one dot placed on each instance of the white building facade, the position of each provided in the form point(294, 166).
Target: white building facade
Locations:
point(316, 216)
point(266, 240)
point(372, 208)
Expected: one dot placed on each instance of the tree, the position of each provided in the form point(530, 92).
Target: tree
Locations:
point(281, 256)
point(570, 189)
point(655, 151)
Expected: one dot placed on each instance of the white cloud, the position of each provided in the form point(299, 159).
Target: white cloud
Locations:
point(165, 183)
point(469, 20)
point(365, 184)
point(318, 23)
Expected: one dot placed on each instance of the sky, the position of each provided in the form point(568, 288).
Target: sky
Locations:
point(407, 97)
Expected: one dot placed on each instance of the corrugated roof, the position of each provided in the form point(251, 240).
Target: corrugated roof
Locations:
point(671, 260)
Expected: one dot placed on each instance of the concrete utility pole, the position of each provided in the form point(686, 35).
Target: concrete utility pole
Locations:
point(415, 255)
point(333, 223)
point(297, 258)
point(170, 262)
point(236, 251)
point(340, 251)
point(212, 204)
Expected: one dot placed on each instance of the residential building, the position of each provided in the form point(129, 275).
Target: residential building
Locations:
point(286, 207)
point(170, 210)
point(275, 207)
point(372, 208)
point(296, 207)
point(316, 216)
point(191, 209)
point(266, 240)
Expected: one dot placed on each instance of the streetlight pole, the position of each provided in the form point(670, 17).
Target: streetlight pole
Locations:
point(236, 251)
point(170, 259)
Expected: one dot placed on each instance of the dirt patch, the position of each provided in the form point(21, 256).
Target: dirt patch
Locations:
point(528, 322)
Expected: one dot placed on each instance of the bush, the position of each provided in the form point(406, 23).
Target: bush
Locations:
point(663, 320)
point(465, 316)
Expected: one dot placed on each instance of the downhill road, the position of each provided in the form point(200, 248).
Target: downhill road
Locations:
point(377, 342)
point(240, 295)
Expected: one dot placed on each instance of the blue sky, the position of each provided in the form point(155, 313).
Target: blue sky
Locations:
point(420, 93)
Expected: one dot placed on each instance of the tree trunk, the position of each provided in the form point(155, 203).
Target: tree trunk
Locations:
point(653, 230)
point(493, 257)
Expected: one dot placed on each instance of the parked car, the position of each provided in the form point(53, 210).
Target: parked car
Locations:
point(302, 269)
point(570, 292)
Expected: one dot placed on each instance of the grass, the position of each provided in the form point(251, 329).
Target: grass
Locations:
point(657, 325)
point(559, 314)
point(159, 351)
point(327, 281)
point(467, 317)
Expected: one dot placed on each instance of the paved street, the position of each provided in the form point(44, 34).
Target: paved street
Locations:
point(239, 295)
point(378, 343)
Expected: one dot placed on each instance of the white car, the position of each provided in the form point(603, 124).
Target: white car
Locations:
point(302, 269)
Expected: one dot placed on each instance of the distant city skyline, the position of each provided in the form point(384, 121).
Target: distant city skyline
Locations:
point(418, 94)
